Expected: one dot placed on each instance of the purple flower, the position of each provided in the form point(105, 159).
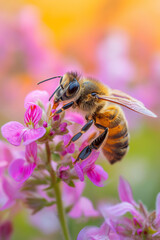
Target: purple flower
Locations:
point(21, 169)
point(71, 194)
point(125, 192)
point(6, 230)
point(7, 154)
point(95, 233)
point(10, 192)
point(64, 172)
point(140, 224)
point(81, 206)
point(63, 126)
point(45, 220)
point(36, 97)
point(75, 117)
point(88, 167)
point(71, 147)
point(15, 132)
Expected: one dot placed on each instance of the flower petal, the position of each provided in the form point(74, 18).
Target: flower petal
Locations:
point(32, 115)
point(8, 204)
point(31, 135)
point(3, 198)
point(7, 153)
point(70, 194)
point(6, 230)
point(66, 138)
point(97, 175)
point(45, 220)
point(35, 97)
point(95, 233)
point(88, 233)
point(11, 189)
point(71, 147)
point(157, 220)
point(13, 132)
point(156, 234)
point(90, 161)
point(63, 172)
point(119, 210)
point(79, 171)
point(75, 117)
point(83, 207)
point(20, 172)
point(125, 192)
point(31, 152)
point(63, 126)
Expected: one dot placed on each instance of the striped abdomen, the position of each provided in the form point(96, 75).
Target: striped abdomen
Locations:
point(116, 144)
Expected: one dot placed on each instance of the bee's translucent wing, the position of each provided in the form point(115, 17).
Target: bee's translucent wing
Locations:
point(121, 98)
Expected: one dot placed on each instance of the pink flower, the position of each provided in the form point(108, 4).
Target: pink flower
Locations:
point(72, 194)
point(88, 167)
point(63, 126)
point(95, 233)
point(64, 172)
point(36, 97)
point(125, 192)
point(81, 206)
point(6, 156)
point(14, 131)
point(71, 147)
point(6, 230)
point(141, 224)
point(20, 170)
point(10, 193)
point(45, 220)
point(75, 117)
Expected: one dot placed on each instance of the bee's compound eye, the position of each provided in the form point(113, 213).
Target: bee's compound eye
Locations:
point(73, 87)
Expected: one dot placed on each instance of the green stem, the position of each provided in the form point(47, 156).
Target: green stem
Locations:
point(56, 186)
point(61, 212)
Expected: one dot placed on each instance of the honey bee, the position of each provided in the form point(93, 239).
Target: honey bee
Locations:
point(101, 107)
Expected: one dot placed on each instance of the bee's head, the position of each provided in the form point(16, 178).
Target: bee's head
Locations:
point(68, 87)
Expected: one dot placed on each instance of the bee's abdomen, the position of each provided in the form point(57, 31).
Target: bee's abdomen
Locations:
point(116, 144)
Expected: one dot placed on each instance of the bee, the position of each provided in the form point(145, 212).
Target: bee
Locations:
point(101, 106)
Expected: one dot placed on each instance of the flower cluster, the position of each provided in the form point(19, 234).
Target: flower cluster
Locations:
point(127, 220)
point(39, 170)
point(42, 160)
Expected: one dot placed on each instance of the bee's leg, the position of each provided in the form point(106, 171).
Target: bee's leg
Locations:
point(95, 144)
point(66, 106)
point(79, 134)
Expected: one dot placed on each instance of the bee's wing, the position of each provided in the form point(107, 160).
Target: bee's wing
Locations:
point(121, 98)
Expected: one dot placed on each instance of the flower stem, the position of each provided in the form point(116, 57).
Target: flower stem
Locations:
point(59, 202)
point(61, 212)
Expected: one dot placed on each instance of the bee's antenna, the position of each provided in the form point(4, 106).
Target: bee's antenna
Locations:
point(48, 79)
point(54, 93)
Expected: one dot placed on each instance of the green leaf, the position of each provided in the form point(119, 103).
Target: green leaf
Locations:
point(68, 209)
point(56, 157)
point(59, 147)
point(71, 184)
point(36, 204)
point(31, 184)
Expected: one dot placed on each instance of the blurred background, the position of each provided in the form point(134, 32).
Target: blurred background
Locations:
point(115, 41)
